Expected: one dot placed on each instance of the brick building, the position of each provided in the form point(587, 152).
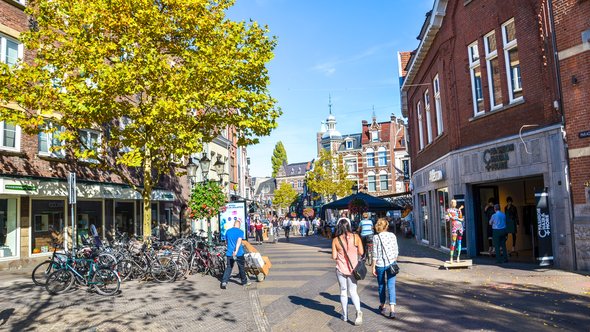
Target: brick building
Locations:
point(572, 36)
point(480, 96)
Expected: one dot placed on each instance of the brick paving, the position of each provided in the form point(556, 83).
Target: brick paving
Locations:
point(301, 294)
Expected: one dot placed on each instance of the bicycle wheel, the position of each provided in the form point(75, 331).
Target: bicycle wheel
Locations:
point(59, 281)
point(126, 269)
point(182, 264)
point(106, 281)
point(42, 271)
point(106, 260)
point(164, 269)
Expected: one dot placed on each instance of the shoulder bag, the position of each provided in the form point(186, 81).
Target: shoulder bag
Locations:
point(360, 271)
point(393, 268)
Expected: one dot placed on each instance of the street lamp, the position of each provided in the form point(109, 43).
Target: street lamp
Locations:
point(355, 189)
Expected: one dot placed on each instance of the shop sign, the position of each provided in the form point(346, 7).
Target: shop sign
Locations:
point(21, 187)
point(406, 167)
point(435, 175)
point(497, 158)
point(584, 134)
point(544, 228)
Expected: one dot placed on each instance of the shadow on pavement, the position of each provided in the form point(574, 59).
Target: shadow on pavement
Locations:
point(329, 310)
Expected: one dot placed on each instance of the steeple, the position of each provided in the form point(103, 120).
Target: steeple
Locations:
point(330, 103)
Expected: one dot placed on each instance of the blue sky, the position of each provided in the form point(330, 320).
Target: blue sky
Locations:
point(343, 48)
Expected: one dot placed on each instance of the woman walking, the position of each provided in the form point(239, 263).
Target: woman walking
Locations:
point(258, 228)
point(346, 248)
point(385, 253)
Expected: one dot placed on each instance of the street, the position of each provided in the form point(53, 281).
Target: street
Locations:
point(301, 293)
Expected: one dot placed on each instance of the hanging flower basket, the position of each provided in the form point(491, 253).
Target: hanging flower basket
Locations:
point(308, 212)
point(357, 206)
point(207, 199)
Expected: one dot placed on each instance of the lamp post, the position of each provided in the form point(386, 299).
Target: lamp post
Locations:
point(205, 165)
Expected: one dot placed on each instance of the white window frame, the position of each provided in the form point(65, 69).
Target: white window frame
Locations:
point(3, 45)
point(87, 132)
point(349, 145)
point(490, 56)
point(17, 138)
point(428, 117)
point(438, 105)
point(382, 151)
point(349, 163)
point(382, 173)
point(474, 64)
point(367, 152)
point(375, 136)
point(420, 130)
point(49, 139)
point(509, 45)
point(369, 182)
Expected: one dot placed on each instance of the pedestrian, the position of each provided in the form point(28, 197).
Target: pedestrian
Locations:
point(345, 239)
point(258, 228)
point(511, 213)
point(385, 253)
point(489, 211)
point(365, 229)
point(287, 227)
point(498, 222)
point(234, 253)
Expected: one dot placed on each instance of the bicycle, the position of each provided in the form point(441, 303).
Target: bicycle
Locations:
point(85, 271)
point(45, 268)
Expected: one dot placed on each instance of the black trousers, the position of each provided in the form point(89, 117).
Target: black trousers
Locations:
point(259, 235)
point(229, 266)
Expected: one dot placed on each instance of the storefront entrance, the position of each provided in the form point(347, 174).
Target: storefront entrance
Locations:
point(520, 243)
point(124, 217)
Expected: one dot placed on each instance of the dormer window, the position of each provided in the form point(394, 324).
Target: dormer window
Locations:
point(375, 136)
point(348, 145)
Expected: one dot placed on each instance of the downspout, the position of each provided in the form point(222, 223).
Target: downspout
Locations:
point(564, 137)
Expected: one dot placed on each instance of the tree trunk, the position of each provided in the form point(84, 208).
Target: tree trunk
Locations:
point(146, 196)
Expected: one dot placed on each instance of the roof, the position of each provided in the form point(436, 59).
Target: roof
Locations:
point(266, 187)
point(296, 169)
point(383, 132)
point(356, 142)
point(403, 61)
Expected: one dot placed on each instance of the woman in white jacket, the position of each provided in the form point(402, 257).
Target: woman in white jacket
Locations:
point(385, 253)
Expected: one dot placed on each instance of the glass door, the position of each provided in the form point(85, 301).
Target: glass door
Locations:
point(424, 217)
point(442, 201)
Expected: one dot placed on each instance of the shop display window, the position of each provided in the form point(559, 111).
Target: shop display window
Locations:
point(88, 213)
point(8, 228)
point(424, 215)
point(47, 225)
point(442, 196)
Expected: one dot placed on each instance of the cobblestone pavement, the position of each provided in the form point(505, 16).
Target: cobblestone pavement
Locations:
point(301, 294)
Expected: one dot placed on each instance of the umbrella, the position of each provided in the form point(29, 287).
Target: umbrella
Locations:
point(373, 203)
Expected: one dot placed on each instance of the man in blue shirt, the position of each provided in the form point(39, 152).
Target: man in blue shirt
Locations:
point(235, 253)
point(498, 222)
point(365, 230)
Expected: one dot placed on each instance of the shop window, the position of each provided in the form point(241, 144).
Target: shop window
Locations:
point(424, 217)
point(124, 217)
point(9, 232)
point(47, 225)
point(492, 64)
point(88, 213)
point(442, 196)
point(475, 73)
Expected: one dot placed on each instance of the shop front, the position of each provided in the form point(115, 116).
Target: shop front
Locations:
point(515, 169)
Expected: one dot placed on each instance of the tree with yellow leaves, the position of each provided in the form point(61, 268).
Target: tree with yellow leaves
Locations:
point(329, 176)
point(157, 78)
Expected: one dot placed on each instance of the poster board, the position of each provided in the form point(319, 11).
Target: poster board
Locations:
point(233, 211)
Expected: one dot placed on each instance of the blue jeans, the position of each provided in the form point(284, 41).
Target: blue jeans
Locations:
point(229, 266)
point(381, 275)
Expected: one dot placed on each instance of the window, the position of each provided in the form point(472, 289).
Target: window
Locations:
point(348, 145)
point(512, 61)
point(438, 106)
point(10, 137)
point(49, 140)
point(90, 141)
point(10, 50)
point(372, 181)
point(351, 165)
point(383, 181)
point(475, 72)
point(428, 117)
point(370, 158)
point(125, 122)
point(420, 133)
point(492, 65)
point(382, 155)
point(299, 184)
point(375, 136)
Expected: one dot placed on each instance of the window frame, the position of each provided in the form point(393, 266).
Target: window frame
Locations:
point(17, 138)
point(508, 46)
point(438, 106)
point(381, 174)
point(473, 66)
point(371, 176)
point(428, 116)
point(374, 136)
point(98, 143)
point(3, 47)
point(370, 152)
point(490, 56)
point(348, 162)
point(420, 129)
point(349, 145)
point(49, 138)
point(382, 152)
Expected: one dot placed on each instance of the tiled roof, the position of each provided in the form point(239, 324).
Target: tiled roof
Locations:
point(296, 169)
point(404, 58)
point(356, 142)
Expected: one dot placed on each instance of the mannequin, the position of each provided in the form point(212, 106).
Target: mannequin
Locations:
point(455, 216)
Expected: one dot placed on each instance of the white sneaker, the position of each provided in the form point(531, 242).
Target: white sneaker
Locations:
point(344, 318)
point(359, 318)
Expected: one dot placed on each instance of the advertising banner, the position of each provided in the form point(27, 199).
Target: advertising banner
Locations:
point(545, 244)
point(235, 211)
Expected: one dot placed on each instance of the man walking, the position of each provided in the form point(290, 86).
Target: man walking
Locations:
point(235, 253)
point(498, 222)
point(365, 230)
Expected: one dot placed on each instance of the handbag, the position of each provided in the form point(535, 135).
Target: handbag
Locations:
point(360, 270)
point(393, 268)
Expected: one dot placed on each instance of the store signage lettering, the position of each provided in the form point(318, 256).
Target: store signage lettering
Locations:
point(24, 187)
point(543, 224)
point(497, 158)
point(435, 175)
point(584, 134)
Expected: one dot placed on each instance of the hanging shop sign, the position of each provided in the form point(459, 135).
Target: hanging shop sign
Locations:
point(497, 158)
point(544, 228)
point(435, 175)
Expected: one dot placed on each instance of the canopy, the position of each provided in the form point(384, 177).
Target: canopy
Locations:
point(373, 203)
